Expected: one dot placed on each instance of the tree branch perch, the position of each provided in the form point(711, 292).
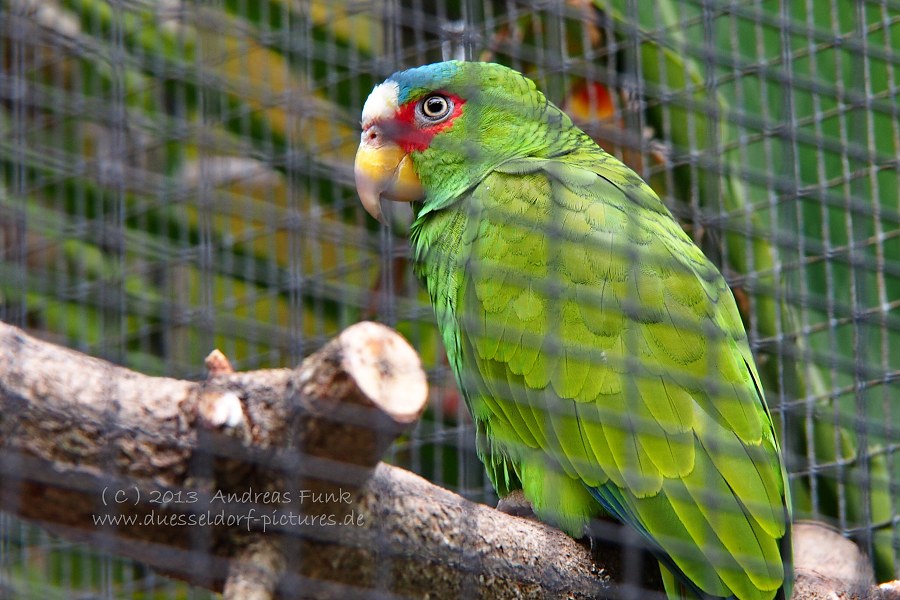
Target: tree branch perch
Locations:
point(264, 484)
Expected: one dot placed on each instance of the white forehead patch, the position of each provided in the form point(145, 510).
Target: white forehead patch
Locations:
point(382, 103)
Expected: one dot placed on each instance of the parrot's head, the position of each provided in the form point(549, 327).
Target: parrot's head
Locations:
point(432, 132)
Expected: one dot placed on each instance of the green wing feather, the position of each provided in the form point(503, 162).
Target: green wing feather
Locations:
point(603, 357)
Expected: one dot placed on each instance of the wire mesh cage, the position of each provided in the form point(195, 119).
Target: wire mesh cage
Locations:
point(178, 177)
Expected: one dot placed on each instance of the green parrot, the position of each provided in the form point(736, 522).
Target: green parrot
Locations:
point(600, 353)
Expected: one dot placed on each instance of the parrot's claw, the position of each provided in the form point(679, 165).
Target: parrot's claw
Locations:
point(517, 505)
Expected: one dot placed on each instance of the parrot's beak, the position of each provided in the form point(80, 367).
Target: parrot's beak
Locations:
point(384, 171)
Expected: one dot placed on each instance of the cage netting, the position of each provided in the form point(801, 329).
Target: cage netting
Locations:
point(177, 176)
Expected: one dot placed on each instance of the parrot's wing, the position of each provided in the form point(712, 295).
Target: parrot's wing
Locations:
point(594, 330)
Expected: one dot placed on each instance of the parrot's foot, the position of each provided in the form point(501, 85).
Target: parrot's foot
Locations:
point(516, 504)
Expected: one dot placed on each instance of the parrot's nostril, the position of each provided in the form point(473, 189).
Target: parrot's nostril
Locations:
point(372, 136)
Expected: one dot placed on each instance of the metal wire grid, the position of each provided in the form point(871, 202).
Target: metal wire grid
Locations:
point(192, 190)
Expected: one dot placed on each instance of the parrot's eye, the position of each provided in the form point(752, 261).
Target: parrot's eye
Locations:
point(435, 108)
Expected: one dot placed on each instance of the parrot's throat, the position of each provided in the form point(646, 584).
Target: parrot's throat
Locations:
point(412, 137)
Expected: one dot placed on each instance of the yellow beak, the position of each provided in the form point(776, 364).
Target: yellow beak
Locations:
point(384, 171)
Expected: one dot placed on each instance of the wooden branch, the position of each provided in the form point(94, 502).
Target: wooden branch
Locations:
point(277, 450)
point(254, 573)
point(84, 440)
point(266, 484)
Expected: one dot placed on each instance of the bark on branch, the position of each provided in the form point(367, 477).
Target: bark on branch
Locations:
point(293, 452)
point(266, 483)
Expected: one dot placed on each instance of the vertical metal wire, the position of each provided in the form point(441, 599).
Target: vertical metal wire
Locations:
point(818, 145)
point(888, 304)
point(860, 121)
point(809, 403)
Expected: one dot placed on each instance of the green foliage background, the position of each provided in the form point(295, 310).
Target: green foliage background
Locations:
point(177, 176)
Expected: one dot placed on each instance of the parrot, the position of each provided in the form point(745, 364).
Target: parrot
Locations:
point(599, 351)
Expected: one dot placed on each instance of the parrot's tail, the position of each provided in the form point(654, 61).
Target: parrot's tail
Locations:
point(677, 590)
point(674, 589)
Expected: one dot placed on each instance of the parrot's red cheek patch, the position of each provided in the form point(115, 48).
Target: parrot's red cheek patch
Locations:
point(408, 132)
